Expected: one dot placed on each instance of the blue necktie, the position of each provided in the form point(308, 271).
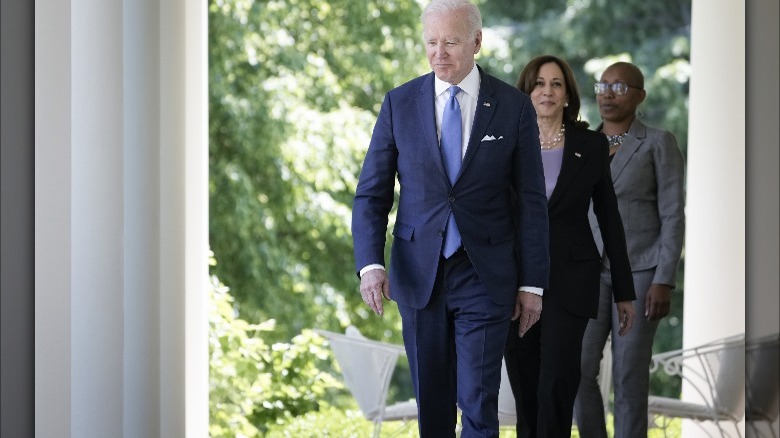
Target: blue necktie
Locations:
point(451, 144)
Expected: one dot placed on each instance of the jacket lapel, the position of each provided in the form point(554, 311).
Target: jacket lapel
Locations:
point(426, 111)
point(637, 132)
point(575, 154)
point(486, 107)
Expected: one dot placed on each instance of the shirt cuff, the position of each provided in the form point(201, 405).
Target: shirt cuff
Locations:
point(534, 290)
point(371, 267)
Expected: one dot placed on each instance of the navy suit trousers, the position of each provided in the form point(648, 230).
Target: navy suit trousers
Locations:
point(455, 347)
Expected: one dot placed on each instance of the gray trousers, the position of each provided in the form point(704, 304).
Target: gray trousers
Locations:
point(631, 355)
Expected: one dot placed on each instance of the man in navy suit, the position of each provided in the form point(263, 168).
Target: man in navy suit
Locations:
point(455, 307)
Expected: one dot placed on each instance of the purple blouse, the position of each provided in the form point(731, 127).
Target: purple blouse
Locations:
point(551, 159)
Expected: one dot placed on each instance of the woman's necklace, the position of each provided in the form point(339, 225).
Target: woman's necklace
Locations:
point(555, 140)
point(616, 140)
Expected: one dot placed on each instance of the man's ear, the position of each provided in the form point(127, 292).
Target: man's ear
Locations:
point(478, 42)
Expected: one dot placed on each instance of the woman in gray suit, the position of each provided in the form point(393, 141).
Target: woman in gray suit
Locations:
point(648, 175)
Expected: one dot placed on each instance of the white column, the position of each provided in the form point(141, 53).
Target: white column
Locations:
point(715, 201)
point(184, 218)
point(762, 178)
point(143, 178)
point(53, 148)
point(121, 219)
point(763, 208)
point(97, 216)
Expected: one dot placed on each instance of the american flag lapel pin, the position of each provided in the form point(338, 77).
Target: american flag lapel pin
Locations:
point(577, 154)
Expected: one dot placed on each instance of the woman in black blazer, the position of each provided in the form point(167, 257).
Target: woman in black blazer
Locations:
point(544, 365)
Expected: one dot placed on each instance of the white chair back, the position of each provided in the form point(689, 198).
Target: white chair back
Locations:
point(367, 367)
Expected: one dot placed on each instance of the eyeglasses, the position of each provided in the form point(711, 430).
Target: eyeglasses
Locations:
point(619, 88)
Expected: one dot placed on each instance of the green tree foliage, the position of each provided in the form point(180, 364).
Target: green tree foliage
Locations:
point(590, 35)
point(294, 89)
point(254, 384)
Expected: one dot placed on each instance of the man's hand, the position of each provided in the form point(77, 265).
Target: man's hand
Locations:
point(625, 312)
point(658, 301)
point(374, 285)
point(528, 307)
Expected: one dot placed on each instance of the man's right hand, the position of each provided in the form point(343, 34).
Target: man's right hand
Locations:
point(374, 285)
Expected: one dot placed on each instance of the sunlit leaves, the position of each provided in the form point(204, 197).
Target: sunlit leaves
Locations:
point(590, 34)
point(294, 88)
point(252, 384)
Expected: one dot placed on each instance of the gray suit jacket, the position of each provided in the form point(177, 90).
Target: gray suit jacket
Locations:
point(648, 173)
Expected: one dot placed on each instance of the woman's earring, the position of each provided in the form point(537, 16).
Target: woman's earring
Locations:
point(566, 104)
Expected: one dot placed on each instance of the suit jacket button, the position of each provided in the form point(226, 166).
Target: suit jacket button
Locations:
point(441, 233)
point(452, 199)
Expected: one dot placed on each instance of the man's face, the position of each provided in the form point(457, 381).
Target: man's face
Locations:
point(449, 47)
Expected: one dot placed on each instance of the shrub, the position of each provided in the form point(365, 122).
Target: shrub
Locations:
point(253, 384)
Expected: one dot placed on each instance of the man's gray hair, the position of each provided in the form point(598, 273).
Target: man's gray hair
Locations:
point(473, 16)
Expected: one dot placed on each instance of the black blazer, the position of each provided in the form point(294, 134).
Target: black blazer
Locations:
point(575, 262)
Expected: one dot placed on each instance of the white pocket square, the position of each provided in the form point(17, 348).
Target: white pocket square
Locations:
point(491, 138)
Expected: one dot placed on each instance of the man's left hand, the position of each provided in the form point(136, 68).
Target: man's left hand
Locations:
point(528, 307)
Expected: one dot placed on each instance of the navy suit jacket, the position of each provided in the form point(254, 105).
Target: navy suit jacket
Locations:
point(498, 199)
